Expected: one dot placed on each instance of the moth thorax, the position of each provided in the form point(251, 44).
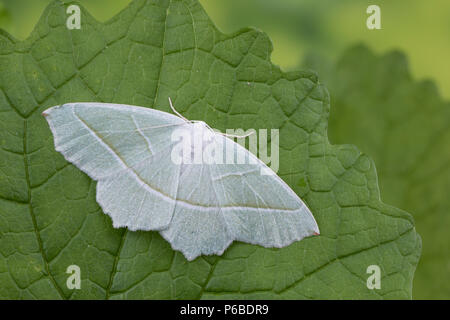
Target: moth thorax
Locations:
point(201, 134)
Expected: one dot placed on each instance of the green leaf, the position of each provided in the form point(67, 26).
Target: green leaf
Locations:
point(405, 126)
point(154, 49)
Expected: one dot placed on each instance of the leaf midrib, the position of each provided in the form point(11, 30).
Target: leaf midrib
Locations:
point(33, 217)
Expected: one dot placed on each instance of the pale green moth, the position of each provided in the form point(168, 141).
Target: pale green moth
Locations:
point(199, 208)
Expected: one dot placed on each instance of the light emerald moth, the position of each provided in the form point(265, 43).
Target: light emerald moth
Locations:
point(199, 208)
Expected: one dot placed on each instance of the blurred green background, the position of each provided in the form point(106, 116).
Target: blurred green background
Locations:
point(420, 28)
point(326, 28)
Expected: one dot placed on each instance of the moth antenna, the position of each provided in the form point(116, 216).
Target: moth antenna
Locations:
point(236, 135)
point(176, 112)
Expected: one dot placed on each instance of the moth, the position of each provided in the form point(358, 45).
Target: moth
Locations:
point(199, 208)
